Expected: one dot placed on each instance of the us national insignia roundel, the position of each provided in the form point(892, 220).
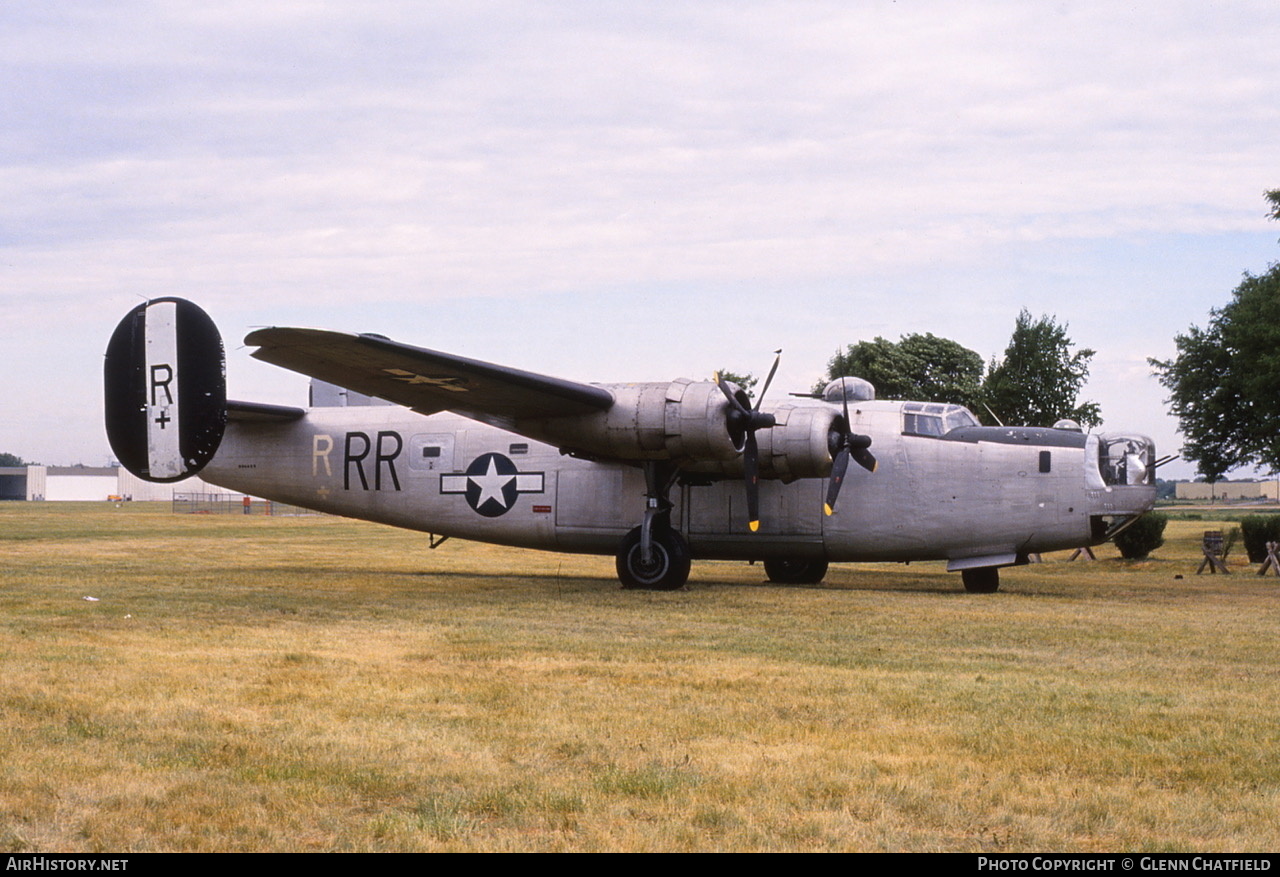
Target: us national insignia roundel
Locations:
point(492, 484)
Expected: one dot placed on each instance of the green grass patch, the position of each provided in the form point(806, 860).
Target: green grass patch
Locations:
point(316, 683)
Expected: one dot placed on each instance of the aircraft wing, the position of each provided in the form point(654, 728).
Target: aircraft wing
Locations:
point(426, 380)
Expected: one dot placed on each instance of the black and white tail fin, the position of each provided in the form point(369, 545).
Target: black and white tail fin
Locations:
point(166, 392)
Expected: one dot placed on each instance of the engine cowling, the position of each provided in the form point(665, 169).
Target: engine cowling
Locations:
point(682, 420)
point(797, 446)
point(689, 423)
point(800, 445)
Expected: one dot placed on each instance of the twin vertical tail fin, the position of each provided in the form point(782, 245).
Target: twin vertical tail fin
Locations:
point(166, 391)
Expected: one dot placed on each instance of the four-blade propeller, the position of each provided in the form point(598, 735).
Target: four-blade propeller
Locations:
point(743, 421)
point(844, 443)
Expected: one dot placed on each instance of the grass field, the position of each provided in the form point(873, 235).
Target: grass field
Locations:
point(322, 684)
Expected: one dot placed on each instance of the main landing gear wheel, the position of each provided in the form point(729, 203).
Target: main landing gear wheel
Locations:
point(981, 580)
point(668, 566)
point(795, 571)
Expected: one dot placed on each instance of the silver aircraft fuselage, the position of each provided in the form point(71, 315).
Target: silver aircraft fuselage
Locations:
point(973, 496)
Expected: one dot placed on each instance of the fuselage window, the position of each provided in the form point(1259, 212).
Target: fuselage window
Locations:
point(431, 452)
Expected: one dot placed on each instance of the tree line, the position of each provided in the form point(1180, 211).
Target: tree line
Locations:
point(1036, 383)
point(1224, 382)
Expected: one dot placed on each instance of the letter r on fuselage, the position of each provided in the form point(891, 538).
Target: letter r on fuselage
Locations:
point(389, 444)
point(321, 445)
point(349, 459)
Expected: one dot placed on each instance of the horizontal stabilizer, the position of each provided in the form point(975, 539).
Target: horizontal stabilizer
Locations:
point(259, 412)
point(426, 380)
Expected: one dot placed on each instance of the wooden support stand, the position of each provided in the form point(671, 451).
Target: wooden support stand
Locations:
point(1212, 548)
point(1271, 562)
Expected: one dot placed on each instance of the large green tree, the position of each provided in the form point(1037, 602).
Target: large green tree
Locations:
point(922, 367)
point(7, 459)
point(1039, 380)
point(1224, 384)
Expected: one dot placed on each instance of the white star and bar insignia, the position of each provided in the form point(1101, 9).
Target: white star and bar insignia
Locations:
point(446, 382)
point(492, 483)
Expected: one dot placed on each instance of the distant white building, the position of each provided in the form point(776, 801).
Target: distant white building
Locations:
point(1229, 490)
point(89, 484)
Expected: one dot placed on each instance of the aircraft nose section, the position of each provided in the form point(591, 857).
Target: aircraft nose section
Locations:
point(1120, 470)
point(1126, 460)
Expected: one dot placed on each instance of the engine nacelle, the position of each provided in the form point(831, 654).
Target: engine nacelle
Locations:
point(682, 420)
point(688, 423)
point(798, 446)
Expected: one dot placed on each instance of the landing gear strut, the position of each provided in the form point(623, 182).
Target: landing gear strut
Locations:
point(653, 555)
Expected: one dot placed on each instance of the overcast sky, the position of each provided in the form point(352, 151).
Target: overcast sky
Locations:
point(626, 191)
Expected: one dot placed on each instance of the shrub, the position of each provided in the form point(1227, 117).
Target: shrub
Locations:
point(1258, 530)
point(1142, 537)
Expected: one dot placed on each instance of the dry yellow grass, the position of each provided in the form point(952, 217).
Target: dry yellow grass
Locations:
point(322, 684)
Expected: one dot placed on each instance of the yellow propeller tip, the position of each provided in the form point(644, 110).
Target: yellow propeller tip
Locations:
point(828, 509)
point(754, 525)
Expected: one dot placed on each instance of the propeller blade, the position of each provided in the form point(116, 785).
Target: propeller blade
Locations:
point(838, 467)
point(844, 445)
point(751, 473)
point(728, 394)
point(769, 380)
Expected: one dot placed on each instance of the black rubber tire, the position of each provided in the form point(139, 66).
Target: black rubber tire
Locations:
point(981, 579)
point(795, 571)
point(668, 569)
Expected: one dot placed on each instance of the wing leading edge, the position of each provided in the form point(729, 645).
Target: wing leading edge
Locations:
point(427, 381)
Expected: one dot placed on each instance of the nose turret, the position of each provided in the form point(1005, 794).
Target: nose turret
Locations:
point(1120, 471)
point(1126, 459)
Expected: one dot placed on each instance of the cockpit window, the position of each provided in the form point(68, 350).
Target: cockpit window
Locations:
point(934, 419)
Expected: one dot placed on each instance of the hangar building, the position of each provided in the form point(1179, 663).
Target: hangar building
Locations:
point(88, 483)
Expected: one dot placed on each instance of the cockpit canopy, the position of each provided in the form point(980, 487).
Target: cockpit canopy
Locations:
point(934, 418)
